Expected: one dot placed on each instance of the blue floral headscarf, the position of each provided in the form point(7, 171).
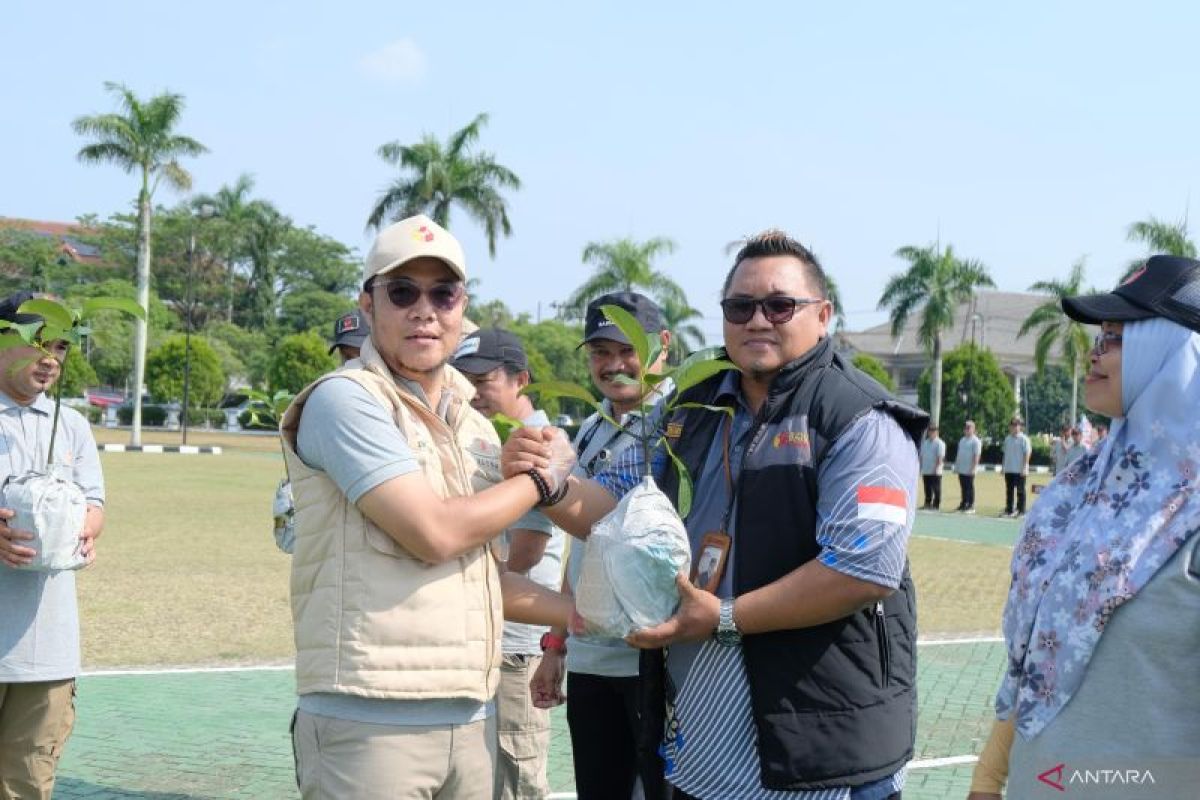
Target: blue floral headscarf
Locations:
point(1104, 526)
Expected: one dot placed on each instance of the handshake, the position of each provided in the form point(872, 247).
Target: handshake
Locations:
point(547, 452)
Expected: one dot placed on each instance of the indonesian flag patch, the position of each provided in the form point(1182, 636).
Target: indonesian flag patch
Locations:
point(883, 504)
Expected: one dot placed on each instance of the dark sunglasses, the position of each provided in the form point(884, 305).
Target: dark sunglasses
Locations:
point(404, 293)
point(777, 308)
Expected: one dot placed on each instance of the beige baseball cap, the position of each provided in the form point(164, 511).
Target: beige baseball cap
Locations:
point(414, 237)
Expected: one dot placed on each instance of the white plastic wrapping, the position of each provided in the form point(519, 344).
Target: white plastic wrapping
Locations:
point(627, 581)
point(284, 511)
point(53, 510)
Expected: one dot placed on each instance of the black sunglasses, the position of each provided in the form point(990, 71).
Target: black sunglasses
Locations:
point(777, 308)
point(404, 293)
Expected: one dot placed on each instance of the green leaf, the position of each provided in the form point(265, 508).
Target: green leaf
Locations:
point(655, 352)
point(632, 330)
point(654, 378)
point(689, 375)
point(683, 503)
point(9, 342)
point(625, 380)
point(548, 389)
point(505, 425)
point(720, 409)
point(123, 304)
point(52, 333)
point(53, 313)
point(26, 331)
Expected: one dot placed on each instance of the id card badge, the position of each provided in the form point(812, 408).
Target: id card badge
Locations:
point(709, 565)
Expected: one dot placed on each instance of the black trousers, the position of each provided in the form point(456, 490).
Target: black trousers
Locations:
point(1014, 483)
point(602, 714)
point(933, 490)
point(967, 484)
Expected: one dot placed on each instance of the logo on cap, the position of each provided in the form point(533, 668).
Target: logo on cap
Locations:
point(422, 234)
point(347, 323)
point(1139, 272)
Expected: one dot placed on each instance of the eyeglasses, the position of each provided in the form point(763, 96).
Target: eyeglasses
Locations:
point(777, 309)
point(404, 293)
point(1105, 341)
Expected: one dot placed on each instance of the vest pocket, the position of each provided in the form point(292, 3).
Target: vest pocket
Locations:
point(382, 543)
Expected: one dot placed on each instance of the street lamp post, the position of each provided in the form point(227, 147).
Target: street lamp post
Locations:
point(187, 331)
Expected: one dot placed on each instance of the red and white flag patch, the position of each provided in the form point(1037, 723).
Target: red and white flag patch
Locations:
point(883, 504)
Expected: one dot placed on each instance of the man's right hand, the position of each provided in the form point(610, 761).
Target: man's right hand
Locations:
point(12, 552)
point(545, 687)
point(547, 450)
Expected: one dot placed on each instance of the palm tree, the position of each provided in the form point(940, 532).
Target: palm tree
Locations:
point(1160, 237)
point(686, 336)
point(935, 283)
point(439, 176)
point(265, 233)
point(624, 265)
point(232, 205)
point(1056, 328)
point(140, 138)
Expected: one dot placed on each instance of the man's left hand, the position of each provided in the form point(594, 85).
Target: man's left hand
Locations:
point(697, 618)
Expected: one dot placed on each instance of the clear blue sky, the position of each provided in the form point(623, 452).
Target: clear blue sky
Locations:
point(1027, 134)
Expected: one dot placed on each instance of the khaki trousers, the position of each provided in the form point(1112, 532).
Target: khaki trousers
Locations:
point(338, 759)
point(524, 733)
point(35, 721)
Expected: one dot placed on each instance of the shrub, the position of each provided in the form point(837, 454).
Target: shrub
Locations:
point(299, 360)
point(152, 415)
point(874, 367)
point(164, 372)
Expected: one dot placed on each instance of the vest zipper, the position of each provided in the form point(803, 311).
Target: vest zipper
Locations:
point(885, 655)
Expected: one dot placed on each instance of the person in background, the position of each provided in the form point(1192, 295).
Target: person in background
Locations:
point(1101, 433)
point(1076, 447)
point(1102, 622)
point(39, 625)
point(933, 454)
point(349, 331)
point(1062, 446)
point(495, 363)
point(966, 464)
point(602, 673)
point(1017, 450)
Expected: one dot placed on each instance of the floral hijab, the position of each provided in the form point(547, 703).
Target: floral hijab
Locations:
point(1104, 527)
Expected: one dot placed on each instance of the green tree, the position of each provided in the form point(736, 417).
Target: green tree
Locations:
point(1046, 396)
point(107, 347)
point(164, 372)
point(77, 374)
point(141, 138)
point(1058, 332)
point(299, 360)
point(436, 176)
point(231, 204)
point(245, 355)
point(29, 261)
point(935, 284)
point(978, 390)
point(624, 265)
point(1160, 238)
point(686, 336)
point(313, 309)
point(874, 367)
point(309, 260)
point(554, 355)
point(265, 235)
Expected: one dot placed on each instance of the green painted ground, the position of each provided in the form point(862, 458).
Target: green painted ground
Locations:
point(179, 736)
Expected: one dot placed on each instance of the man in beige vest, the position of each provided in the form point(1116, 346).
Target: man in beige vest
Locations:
point(396, 598)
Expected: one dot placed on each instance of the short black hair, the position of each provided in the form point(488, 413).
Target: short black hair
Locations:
point(775, 242)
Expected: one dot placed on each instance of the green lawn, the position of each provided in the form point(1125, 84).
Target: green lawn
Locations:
point(188, 572)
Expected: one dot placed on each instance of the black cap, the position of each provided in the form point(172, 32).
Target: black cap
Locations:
point(10, 304)
point(643, 309)
point(488, 349)
point(350, 330)
point(1165, 286)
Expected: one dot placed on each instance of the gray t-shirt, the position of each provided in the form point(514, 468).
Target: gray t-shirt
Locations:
point(345, 433)
point(39, 626)
point(933, 454)
point(526, 639)
point(967, 457)
point(1016, 449)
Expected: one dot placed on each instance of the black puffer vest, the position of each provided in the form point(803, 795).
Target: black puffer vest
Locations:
point(835, 704)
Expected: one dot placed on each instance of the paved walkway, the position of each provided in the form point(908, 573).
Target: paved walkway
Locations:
point(223, 734)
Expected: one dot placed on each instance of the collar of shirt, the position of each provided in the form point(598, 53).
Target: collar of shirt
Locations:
point(652, 400)
point(41, 404)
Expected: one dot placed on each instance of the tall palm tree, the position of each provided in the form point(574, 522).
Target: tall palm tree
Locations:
point(624, 265)
point(1160, 238)
point(436, 176)
point(1057, 329)
point(686, 336)
point(231, 204)
point(935, 283)
point(141, 137)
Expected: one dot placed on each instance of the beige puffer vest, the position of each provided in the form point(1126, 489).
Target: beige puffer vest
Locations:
point(370, 619)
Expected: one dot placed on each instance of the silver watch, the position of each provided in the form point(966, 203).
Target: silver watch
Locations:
point(727, 633)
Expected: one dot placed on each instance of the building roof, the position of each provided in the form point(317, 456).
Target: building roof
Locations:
point(990, 319)
point(68, 235)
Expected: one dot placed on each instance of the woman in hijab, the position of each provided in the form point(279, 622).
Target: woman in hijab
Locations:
point(1102, 623)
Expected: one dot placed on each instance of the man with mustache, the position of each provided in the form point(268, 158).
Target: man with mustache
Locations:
point(601, 673)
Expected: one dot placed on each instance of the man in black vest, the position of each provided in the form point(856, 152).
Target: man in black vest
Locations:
point(797, 673)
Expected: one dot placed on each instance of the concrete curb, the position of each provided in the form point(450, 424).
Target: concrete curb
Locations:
point(185, 449)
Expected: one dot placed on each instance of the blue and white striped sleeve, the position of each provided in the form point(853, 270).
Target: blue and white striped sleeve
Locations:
point(628, 469)
point(867, 500)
